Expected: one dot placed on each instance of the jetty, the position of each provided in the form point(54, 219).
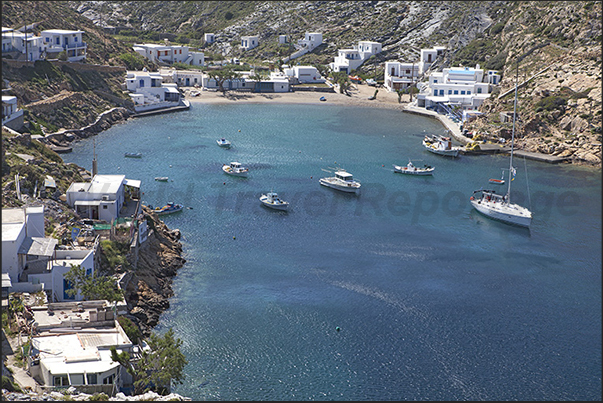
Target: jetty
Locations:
point(485, 148)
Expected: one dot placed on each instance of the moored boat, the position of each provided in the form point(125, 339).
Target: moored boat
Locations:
point(343, 181)
point(272, 200)
point(223, 143)
point(133, 155)
point(441, 145)
point(168, 208)
point(411, 169)
point(499, 207)
point(161, 178)
point(235, 169)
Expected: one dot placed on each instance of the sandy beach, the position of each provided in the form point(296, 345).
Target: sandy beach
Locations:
point(359, 95)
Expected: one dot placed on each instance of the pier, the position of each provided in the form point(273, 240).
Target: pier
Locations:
point(485, 148)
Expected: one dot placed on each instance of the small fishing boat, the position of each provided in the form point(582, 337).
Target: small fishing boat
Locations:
point(235, 169)
point(355, 79)
point(343, 181)
point(223, 143)
point(273, 201)
point(133, 155)
point(323, 99)
point(168, 208)
point(161, 178)
point(440, 145)
point(413, 170)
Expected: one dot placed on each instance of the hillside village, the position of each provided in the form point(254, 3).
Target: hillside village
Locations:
point(60, 84)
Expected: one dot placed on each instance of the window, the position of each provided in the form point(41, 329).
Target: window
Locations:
point(435, 81)
point(393, 72)
point(61, 380)
point(407, 71)
point(456, 92)
point(88, 272)
point(462, 92)
point(108, 380)
point(141, 83)
point(468, 92)
point(442, 92)
point(479, 90)
point(449, 92)
point(91, 379)
point(104, 206)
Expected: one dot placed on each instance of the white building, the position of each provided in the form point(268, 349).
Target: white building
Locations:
point(57, 40)
point(462, 87)
point(429, 56)
point(305, 74)
point(12, 115)
point(24, 245)
point(209, 38)
point(350, 59)
point(183, 78)
point(311, 40)
point(148, 92)
point(75, 351)
point(21, 46)
point(400, 76)
point(249, 42)
point(106, 197)
point(282, 39)
point(170, 54)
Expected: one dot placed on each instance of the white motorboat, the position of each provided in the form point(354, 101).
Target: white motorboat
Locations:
point(413, 170)
point(499, 207)
point(235, 169)
point(223, 143)
point(441, 145)
point(272, 200)
point(343, 181)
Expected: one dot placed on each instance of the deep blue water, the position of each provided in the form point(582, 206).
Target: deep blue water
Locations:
point(433, 301)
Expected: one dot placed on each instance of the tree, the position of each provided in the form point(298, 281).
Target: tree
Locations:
point(92, 286)
point(343, 80)
point(221, 75)
point(399, 92)
point(257, 78)
point(158, 367)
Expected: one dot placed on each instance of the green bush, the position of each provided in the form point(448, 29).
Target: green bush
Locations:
point(550, 103)
point(132, 331)
point(132, 62)
point(9, 385)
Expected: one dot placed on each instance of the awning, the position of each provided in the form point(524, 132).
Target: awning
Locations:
point(37, 246)
point(87, 203)
point(132, 182)
point(172, 90)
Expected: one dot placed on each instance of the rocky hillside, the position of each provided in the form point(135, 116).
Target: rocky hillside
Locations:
point(557, 45)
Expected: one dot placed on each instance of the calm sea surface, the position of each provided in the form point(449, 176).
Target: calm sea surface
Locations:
point(432, 300)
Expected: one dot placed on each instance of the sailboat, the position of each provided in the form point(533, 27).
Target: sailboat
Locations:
point(499, 206)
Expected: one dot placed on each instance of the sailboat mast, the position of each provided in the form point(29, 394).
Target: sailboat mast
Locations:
point(513, 135)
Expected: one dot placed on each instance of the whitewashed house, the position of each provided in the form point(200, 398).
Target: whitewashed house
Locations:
point(209, 38)
point(148, 92)
point(460, 88)
point(249, 42)
point(183, 78)
point(25, 246)
point(106, 197)
point(21, 46)
point(61, 262)
point(311, 40)
point(12, 115)
point(305, 74)
point(350, 59)
point(73, 348)
point(428, 57)
point(400, 76)
point(55, 41)
point(169, 54)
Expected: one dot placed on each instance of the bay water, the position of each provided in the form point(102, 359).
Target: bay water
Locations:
point(403, 292)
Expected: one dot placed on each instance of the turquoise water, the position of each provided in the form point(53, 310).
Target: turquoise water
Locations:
point(432, 300)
